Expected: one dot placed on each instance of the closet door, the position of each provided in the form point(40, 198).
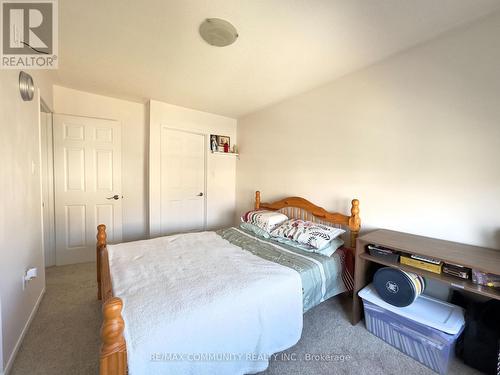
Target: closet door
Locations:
point(87, 184)
point(182, 190)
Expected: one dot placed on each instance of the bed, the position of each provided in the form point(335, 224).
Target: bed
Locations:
point(214, 302)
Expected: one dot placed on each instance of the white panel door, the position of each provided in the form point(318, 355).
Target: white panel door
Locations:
point(87, 185)
point(182, 181)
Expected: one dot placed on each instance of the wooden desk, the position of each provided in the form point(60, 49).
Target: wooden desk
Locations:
point(479, 258)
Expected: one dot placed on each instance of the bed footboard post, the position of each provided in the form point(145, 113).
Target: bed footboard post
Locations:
point(101, 243)
point(113, 356)
point(354, 222)
point(257, 200)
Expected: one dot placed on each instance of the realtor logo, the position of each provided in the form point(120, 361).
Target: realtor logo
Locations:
point(29, 34)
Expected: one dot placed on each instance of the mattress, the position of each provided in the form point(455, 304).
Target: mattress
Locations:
point(196, 304)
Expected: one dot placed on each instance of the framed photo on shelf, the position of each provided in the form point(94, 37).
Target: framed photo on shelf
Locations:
point(222, 140)
point(214, 143)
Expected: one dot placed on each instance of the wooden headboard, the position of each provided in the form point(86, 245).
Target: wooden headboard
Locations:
point(300, 208)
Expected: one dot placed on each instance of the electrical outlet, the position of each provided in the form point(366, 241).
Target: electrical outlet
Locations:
point(29, 275)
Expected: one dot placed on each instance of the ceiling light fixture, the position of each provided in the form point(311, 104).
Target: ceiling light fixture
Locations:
point(218, 32)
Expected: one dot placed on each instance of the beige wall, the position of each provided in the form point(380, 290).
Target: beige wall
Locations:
point(20, 213)
point(132, 118)
point(221, 169)
point(416, 138)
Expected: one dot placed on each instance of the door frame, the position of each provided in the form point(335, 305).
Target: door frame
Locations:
point(155, 171)
point(47, 182)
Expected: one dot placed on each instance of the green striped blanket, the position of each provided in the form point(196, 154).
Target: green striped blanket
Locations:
point(321, 276)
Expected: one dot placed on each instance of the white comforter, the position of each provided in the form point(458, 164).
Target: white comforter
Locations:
point(196, 304)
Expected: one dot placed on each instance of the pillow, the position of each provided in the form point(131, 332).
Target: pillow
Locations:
point(307, 233)
point(295, 244)
point(267, 220)
point(332, 247)
point(255, 229)
point(328, 250)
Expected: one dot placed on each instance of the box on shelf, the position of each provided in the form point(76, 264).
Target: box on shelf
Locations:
point(384, 253)
point(431, 267)
point(457, 270)
point(486, 279)
point(427, 330)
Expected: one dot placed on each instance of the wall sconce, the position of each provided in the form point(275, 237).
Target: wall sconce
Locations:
point(26, 86)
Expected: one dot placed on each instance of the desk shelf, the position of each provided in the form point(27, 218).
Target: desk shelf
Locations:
point(478, 258)
point(454, 282)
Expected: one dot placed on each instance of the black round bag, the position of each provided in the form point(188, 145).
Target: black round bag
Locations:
point(396, 287)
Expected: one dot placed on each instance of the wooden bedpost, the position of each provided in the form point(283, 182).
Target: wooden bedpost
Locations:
point(101, 243)
point(113, 356)
point(354, 222)
point(257, 200)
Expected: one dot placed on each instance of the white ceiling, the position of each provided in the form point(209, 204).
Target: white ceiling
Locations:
point(145, 49)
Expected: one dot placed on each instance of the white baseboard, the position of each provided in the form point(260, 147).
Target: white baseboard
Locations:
point(12, 357)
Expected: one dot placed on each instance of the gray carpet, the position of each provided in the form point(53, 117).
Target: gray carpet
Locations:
point(64, 337)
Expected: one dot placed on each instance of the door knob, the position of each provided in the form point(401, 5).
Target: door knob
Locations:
point(200, 195)
point(115, 197)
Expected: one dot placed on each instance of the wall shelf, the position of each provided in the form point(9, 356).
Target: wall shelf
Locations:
point(226, 153)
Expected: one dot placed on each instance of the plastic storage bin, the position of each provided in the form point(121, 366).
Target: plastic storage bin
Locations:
point(427, 330)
